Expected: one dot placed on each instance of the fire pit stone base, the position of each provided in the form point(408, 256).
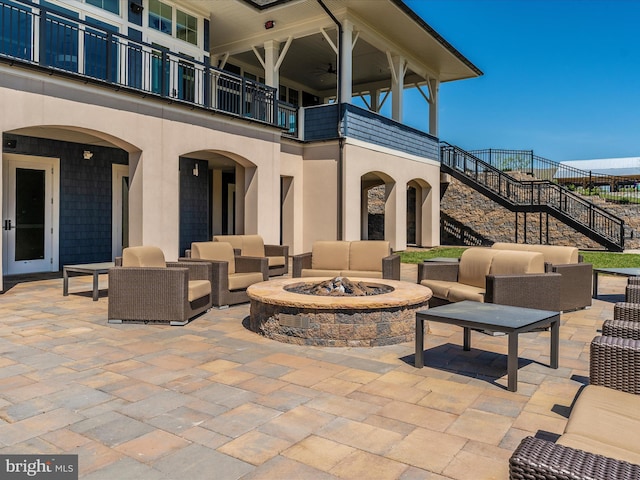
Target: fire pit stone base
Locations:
point(331, 321)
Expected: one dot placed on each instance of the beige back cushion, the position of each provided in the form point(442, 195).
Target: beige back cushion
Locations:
point(475, 264)
point(143, 257)
point(367, 255)
point(234, 240)
point(555, 254)
point(253, 246)
point(507, 262)
point(221, 251)
point(330, 255)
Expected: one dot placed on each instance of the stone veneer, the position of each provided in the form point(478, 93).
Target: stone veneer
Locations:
point(494, 223)
point(364, 321)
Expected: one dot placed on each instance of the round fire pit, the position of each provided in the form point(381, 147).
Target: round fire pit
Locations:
point(366, 320)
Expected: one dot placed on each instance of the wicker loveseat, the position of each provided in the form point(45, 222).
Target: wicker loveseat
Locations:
point(253, 246)
point(362, 258)
point(575, 285)
point(494, 276)
point(143, 288)
point(602, 438)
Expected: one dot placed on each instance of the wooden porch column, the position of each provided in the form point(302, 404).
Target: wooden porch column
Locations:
point(398, 67)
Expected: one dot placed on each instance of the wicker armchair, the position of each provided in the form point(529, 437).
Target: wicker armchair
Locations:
point(143, 288)
point(625, 323)
point(615, 364)
point(632, 291)
point(231, 274)
point(253, 246)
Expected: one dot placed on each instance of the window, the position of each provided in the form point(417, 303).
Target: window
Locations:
point(160, 16)
point(186, 27)
point(112, 6)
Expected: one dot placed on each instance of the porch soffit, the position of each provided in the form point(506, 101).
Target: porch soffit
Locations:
point(237, 27)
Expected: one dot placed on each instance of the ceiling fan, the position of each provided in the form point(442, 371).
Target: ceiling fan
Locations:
point(329, 70)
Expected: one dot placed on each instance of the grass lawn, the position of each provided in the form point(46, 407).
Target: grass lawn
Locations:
point(598, 259)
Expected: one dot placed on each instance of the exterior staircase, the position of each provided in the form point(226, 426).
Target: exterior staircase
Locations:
point(532, 196)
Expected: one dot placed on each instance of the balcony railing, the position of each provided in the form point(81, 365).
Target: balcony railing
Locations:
point(53, 39)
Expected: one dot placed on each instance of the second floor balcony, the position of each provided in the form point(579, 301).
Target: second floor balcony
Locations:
point(39, 36)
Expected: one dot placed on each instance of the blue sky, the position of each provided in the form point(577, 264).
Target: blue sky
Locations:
point(561, 77)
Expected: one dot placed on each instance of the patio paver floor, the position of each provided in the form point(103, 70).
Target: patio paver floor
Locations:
point(215, 400)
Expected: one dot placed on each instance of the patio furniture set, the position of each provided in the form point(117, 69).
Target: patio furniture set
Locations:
point(507, 288)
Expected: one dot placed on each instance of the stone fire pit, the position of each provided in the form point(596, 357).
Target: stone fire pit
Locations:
point(336, 320)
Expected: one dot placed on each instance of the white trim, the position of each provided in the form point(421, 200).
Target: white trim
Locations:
point(52, 168)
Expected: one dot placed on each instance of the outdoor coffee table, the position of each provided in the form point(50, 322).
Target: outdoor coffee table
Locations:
point(94, 269)
point(490, 316)
point(625, 272)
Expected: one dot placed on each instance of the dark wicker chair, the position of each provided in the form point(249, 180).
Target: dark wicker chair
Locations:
point(231, 274)
point(253, 246)
point(625, 323)
point(615, 363)
point(143, 288)
point(632, 292)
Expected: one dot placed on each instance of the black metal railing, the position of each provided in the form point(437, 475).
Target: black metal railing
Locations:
point(52, 38)
point(619, 189)
point(537, 195)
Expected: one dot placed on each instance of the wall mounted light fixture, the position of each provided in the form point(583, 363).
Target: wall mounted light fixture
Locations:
point(195, 171)
point(87, 154)
point(269, 24)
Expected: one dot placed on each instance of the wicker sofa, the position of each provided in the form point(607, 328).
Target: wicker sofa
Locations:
point(601, 440)
point(575, 285)
point(253, 246)
point(494, 276)
point(362, 258)
point(143, 288)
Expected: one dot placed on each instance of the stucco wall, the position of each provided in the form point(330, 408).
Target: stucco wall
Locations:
point(155, 135)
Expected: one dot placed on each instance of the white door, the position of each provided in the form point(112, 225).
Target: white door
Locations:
point(120, 208)
point(30, 214)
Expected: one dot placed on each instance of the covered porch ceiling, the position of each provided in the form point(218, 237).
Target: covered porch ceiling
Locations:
point(381, 28)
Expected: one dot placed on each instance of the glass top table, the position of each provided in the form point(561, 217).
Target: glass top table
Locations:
point(490, 316)
point(625, 272)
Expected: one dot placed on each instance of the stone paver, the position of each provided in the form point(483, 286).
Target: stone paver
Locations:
point(215, 400)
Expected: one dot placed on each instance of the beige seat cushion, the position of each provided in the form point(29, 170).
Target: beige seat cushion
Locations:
point(367, 255)
point(310, 272)
point(198, 289)
point(330, 255)
point(555, 254)
point(507, 262)
point(146, 256)
point(460, 292)
point(241, 281)
point(440, 288)
point(361, 273)
point(606, 422)
point(275, 261)
point(221, 251)
point(475, 264)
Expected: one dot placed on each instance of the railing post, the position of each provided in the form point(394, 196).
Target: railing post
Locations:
point(243, 96)
point(43, 42)
point(109, 57)
point(164, 60)
point(206, 86)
